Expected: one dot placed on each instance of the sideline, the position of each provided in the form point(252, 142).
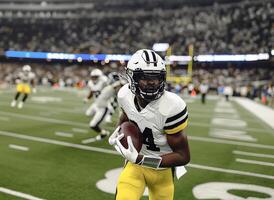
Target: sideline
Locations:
point(264, 113)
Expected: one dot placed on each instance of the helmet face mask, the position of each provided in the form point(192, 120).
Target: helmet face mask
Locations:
point(146, 74)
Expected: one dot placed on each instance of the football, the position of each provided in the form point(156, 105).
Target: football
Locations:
point(131, 129)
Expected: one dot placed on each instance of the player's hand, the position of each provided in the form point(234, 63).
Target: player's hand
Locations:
point(85, 100)
point(34, 90)
point(130, 153)
point(114, 135)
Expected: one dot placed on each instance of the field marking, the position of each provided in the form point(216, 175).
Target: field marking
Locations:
point(19, 194)
point(255, 162)
point(219, 126)
point(230, 171)
point(102, 150)
point(85, 125)
point(79, 130)
point(231, 134)
point(264, 113)
point(17, 147)
point(63, 134)
point(56, 142)
point(72, 123)
point(253, 154)
point(220, 141)
point(6, 119)
point(89, 140)
point(43, 119)
point(46, 107)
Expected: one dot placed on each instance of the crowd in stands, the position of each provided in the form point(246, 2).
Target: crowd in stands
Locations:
point(244, 27)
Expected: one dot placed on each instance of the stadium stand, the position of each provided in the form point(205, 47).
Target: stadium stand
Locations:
point(244, 27)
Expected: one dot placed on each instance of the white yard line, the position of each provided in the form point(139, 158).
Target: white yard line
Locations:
point(85, 125)
point(102, 150)
point(56, 142)
point(230, 171)
point(17, 147)
point(79, 130)
point(44, 119)
point(220, 141)
point(264, 113)
point(18, 194)
point(6, 119)
point(246, 129)
point(89, 140)
point(58, 109)
point(63, 134)
point(255, 162)
point(253, 154)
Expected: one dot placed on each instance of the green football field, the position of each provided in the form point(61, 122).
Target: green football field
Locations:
point(42, 157)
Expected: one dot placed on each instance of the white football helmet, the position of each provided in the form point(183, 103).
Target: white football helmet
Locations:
point(96, 73)
point(146, 65)
point(26, 68)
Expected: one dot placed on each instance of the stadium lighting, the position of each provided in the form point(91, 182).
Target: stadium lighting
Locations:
point(237, 57)
point(79, 59)
point(125, 57)
point(272, 52)
point(174, 58)
point(160, 47)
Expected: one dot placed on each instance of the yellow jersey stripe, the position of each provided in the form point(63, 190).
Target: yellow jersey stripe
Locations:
point(177, 129)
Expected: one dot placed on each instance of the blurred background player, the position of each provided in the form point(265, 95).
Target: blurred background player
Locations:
point(97, 82)
point(203, 88)
point(113, 104)
point(24, 82)
point(102, 105)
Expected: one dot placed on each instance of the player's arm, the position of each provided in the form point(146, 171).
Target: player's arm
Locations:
point(90, 94)
point(123, 118)
point(180, 156)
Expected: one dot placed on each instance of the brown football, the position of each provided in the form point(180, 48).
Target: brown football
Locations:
point(131, 129)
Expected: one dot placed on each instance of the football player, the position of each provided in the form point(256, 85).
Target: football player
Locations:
point(97, 82)
point(102, 107)
point(24, 80)
point(161, 117)
point(113, 104)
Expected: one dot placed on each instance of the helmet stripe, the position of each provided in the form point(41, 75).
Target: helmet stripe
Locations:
point(147, 56)
point(154, 58)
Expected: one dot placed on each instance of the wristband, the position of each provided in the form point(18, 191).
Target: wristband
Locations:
point(151, 161)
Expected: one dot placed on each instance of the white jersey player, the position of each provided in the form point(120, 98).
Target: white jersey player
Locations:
point(102, 107)
point(161, 117)
point(24, 82)
point(96, 84)
point(171, 114)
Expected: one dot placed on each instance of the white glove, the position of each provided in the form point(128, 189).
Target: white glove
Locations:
point(130, 153)
point(34, 90)
point(115, 135)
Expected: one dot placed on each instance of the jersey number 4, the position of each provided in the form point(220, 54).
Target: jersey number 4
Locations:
point(148, 140)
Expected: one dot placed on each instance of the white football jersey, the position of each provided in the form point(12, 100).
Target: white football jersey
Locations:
point(166, 115)
point(26, 77)
point(106, 95)
point(96, 87)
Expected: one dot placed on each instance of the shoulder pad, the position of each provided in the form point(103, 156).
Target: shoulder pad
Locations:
point(122, 93)
point(174, 109)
